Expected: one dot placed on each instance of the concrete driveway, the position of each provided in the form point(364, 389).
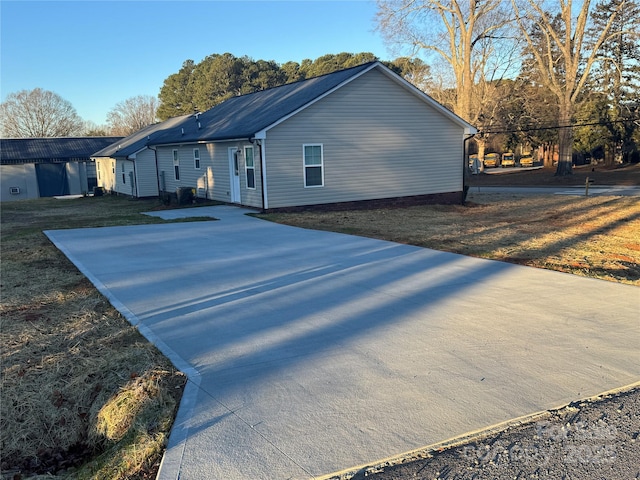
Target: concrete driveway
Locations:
point(312, 352)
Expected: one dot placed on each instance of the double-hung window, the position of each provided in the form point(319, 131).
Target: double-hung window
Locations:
point(124, 178)
point(196, 158)
point(176, 165)
point(249, 165)
point(313, 165)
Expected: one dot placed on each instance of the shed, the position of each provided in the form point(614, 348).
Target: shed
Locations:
point(47, 167)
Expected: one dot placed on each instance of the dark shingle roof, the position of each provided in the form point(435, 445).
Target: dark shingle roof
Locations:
point(41, 150)
point(243, 116)
point(138, 140)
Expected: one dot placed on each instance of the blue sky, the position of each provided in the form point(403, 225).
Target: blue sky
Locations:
point(98, 53)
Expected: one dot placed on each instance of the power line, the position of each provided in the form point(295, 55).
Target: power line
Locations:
point(558, 127)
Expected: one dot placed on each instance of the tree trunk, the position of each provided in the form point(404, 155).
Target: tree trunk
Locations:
point(547, 154)
point(482, 145)
point(565, 144)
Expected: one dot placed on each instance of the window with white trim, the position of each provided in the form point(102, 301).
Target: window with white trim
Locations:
point(250, 168)
point(176, 165)
point(196, 158)
point(313, 165)
point(124, 178)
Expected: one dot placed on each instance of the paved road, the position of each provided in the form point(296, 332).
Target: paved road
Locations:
point(312, 352)
point(594, 191)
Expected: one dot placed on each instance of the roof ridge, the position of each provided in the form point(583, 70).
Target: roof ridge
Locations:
point(342, 70)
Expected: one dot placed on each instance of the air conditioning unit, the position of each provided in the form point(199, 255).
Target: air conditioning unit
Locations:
point(14, 190)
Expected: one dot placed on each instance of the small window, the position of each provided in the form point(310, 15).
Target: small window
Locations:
point(176, 165)
point(196, 158)
point(313, 166)
point(250, 167)
point(124, 178)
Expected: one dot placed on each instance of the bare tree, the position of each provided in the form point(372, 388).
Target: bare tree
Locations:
point(467, 35)
point(561, 56)
point(132, 114)
point(92, 129)
point(38, 113)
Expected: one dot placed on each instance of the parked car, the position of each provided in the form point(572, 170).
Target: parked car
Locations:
point(508, 160)
point(526, 160)
point(491, 160)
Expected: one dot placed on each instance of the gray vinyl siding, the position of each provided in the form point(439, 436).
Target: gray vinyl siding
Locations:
point(189, 175)
point(213, 178)
point(124, 186)
point(379, 141)
point(146, 174)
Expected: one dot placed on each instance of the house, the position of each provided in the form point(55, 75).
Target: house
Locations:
point(47, 167)
point(128, 166)
point(363, 134)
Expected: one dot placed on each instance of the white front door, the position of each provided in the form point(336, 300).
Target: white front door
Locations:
point(234, 174)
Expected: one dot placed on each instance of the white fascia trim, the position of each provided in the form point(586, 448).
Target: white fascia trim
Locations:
point(135, 154)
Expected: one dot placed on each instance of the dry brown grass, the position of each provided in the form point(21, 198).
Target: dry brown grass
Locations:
point(68, 357)
point(590, 236)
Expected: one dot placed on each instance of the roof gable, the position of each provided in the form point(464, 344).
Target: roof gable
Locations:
point(28, 150)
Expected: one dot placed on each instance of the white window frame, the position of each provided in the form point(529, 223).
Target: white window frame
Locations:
point(305, 166)
point(124, 180)
point(176, 164)
point(252, 167)
point(196, 158)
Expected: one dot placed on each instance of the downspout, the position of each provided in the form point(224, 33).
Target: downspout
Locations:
point(263, 171)
point(135, 179)
point(465, 167)
point(263, 175)
point(155, 156)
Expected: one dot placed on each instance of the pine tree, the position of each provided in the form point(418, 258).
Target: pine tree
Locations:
point(618, 74)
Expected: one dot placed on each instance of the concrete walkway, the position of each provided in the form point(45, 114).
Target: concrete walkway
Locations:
point(311, 352)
